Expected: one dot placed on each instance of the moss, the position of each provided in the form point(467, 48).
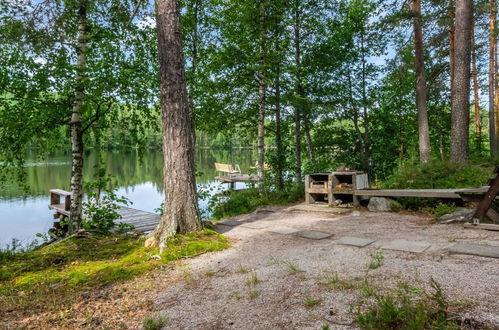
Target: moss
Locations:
point(79, 264)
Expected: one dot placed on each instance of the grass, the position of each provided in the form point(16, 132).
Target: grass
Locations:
point(52, 276)
point(408, 308)
point(154, 322)
point(254, 294)
point(253, 279)
point(309, 302)
point(334, 282)
point(289, 265)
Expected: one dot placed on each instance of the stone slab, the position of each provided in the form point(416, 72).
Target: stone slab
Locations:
point(313, 234)
point(407, 246)
point(284, 230)
point(355, 241)
point(231, 223)
point(254, 225)
point(317, 208)
point(475, 250)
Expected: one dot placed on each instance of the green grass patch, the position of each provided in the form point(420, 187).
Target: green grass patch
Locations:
point(53, 275)
point(248, 200)
point(408, 308)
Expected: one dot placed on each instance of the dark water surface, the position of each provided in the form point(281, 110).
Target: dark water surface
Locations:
point(137, 178)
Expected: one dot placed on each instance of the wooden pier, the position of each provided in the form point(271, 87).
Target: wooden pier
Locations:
point(233, 179)
point(142, 221)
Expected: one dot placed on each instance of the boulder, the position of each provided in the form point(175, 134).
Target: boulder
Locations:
point(460, 215)
point(382, 204)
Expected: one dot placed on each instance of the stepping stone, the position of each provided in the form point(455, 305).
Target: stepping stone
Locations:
point(254, 226)
point(313, 234)
point(284, 230)
point(407, 246)
point(355, 241)
point(231, 223)
point(475, 250)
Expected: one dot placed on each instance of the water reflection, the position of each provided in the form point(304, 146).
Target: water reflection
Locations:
point(138, 177)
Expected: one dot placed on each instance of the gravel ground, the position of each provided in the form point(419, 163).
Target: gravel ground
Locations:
point(263, 281)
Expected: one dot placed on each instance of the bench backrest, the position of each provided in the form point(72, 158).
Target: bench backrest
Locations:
point(224, 167)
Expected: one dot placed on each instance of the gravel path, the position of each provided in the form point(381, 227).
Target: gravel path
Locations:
point(265, 279)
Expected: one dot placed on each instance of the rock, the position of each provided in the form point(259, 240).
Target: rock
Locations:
point(382, 204)
point(151, 242)
point(460, 215)
point(355, 214)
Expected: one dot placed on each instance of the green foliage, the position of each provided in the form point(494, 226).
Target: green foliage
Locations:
point(409, 308)
point(440, 209)
point(247, 200)
point(310, 302)
point(154, 322)
point(57, 273)
point(438, 175)
point(100, 211)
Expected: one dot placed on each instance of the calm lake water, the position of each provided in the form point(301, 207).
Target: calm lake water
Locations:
point(138, 178)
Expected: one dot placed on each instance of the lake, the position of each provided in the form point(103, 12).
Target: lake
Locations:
point(138, 177)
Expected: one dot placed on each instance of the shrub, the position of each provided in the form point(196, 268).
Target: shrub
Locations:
point(154, 322)
point(248, 200)
point(438, 175)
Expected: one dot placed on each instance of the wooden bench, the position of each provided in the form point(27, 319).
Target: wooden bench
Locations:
point(60, 208)
point(228, 169)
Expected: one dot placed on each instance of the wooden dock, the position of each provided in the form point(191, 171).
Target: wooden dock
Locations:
point(141, 220)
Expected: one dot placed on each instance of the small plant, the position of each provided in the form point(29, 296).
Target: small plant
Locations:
point(241, 270)
point(377, 259)
point(293, 268)
point(100, 210)
point(154, 322)
point(209, 273)
point(440, 209)
point(236, 295)
point(309, 302)
point(253, 280)
point(334, 282)
point(325, 327)
point(254, 294)
point(407, 310)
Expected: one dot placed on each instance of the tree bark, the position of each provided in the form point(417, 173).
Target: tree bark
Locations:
point(298, 90)
point(278, 131)
point(492, 130)
point(476, 100)
point(308, 138)
point(365, 145)
point(452, 30)
point(424, 131)
point(181, 210)
point(461, 92)
point(262, 93)
point(75, 125)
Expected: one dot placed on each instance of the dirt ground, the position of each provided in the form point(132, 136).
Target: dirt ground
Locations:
point(266, 280)
point(220, 291)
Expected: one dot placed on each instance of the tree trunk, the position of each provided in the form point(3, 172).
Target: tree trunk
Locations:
point(452, 30)
point(424, 131)
point(298, 90)
point(181, 210)
point(492, 130)
point(76, 129)
point(476, 101)
point(262, 93)
point(365, 153)
point(308, 138)
point(278, 131)
point(461, 92)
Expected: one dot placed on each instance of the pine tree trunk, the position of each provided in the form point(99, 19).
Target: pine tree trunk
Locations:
point(181, 210)
point(476, 101)
point(492, 130)
point(76, 129)
point(424, 131)
point(452, 30)
point(461, 92)
point(298, 88)
point(308, 138)
point(261, 123)
point(365, 145)
point(278, 131)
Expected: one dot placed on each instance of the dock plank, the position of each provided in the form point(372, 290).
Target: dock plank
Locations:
point(429, 193)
